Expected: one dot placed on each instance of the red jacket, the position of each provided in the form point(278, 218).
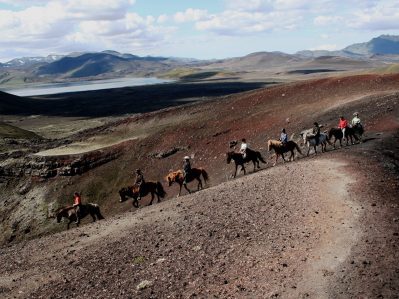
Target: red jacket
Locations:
point(343, 123)
point(78, 200)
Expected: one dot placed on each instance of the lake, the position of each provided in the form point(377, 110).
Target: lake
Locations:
point(54, 88)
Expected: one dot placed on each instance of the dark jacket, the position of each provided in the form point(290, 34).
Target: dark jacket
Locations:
point(316, 131)
point(186, 167)
point(139, 179)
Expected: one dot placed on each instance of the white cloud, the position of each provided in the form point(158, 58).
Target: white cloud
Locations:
point(382, 15)
point(190, 15)
point(238, 22)
point(80, 25)
point(327, 20)
point(327, 47)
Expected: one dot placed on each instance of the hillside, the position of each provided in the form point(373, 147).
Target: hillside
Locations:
point(275, 233)
point(9, 131)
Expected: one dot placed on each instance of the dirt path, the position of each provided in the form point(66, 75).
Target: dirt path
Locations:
point(253, 237)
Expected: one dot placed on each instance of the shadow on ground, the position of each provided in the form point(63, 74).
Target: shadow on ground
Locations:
point(120, 101)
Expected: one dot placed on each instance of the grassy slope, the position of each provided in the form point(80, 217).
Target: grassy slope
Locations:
point(9, 131)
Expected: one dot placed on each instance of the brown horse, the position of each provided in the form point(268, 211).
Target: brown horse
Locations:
point(70, 213)
point(146, 188)
point(195, 174)
point(239, 160)
point(280, 149)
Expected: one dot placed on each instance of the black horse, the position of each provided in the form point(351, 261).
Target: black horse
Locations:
point(358, 130)
point(238, 158)
point(69, 212)
point(153, 188)
point(337, 133)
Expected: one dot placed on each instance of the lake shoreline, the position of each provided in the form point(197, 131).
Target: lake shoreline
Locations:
point(42, 89)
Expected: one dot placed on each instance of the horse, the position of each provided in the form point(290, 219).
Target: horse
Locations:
point(239, 160)
point(358, 131)
point(280, 149)
point(195, 174)
point(337, 133)
point(146, 188)
point(311, 141)
point(69, 212)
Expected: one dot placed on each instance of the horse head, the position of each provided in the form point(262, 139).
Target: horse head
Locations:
point(122, 194)
point(59, 214)
point(229, 157)
point(269, 145)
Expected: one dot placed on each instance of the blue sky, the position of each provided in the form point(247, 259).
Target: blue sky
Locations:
point(202, 29)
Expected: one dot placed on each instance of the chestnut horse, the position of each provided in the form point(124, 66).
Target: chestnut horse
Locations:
point(195, 174)
point(70, 213)
point(239, 160)
point(146, 188)
point(280, 149)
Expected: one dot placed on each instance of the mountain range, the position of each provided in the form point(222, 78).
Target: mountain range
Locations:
point(112, 64)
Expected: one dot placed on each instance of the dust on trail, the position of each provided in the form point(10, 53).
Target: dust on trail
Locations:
point(279, 232)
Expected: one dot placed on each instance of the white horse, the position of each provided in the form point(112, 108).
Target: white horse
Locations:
point(309, 140)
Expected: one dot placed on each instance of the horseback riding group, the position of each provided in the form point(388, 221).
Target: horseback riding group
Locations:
point(312, 138)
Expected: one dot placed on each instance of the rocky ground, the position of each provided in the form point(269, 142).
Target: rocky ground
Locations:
point(320, 227)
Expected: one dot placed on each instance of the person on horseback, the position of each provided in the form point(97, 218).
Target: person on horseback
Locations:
point(244, 147)
point(343, 124)
point(283, 137)
point(316, 132)
point(139, 181)
point(77, 204)
point(356, 120)
point(186, 169)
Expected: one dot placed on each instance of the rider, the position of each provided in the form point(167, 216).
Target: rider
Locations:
point(244, 147)
point(283, 137)
point(316, 132)
point(186, 168)
point(77, 204)
point(343, 124)
point(356, 120)
point(139, 181)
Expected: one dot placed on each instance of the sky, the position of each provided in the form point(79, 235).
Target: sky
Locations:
point(202, 29)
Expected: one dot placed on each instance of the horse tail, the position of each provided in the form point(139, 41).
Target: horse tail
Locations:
point(298, 149)
point(260, 157)
point(161, 191)
point(204, 174)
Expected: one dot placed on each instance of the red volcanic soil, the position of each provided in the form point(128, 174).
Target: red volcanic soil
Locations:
point(324, 226)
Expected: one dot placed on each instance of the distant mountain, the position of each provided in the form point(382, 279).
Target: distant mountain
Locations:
point(29, 61)
point(107, 62)
point(382, 45)
point(258, 60)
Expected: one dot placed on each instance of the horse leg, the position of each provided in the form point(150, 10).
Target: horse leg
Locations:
point(93, 216)
point(243, 169)
point(152, 198)
point(315, 151)
point(292, 157)
point(69, 223)
point(235, 172)
point(308, 150)
point(199, 184)
point(179, 190)
point(135, 203)
point(188, 190)
point(282, 156)
point(159, 199)
point(275, 162)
